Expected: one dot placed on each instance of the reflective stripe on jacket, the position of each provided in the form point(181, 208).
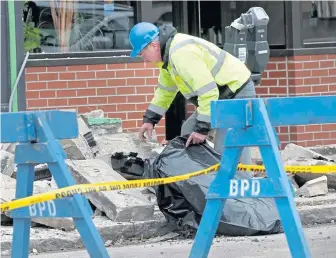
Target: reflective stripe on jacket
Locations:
point(197, 68)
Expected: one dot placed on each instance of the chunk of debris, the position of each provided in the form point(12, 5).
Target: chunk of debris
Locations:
point(42, 172)
point(315, 187)
point(302, 178)
point(9, 147)
point(124, 142)
point(102, 126)
point(8, 193)
point(328, 151)
point(7, 163)
point(124, 205)
point(86, 132)
point(79, 148)
point(293, 151)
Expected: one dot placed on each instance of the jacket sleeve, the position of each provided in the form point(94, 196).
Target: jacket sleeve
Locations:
point(194, 72)
point(163, 97)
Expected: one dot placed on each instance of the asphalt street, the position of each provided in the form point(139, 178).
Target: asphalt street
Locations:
point(321, 240)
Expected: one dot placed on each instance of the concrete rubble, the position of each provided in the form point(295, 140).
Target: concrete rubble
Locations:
point(88, 167)
point(133, 213)
point(294, 155)
point(293, 151)
point(126, 205)
point(123, 142)
point(7, 163)
point(315, 187)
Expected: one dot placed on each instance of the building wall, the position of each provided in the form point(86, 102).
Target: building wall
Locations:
point(124, 90)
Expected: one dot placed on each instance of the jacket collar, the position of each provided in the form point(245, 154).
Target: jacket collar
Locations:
point(165, 53)
point(167, 33)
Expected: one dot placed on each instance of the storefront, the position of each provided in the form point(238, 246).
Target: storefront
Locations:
point(80, 59)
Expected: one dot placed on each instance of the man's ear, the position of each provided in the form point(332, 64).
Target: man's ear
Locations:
point(156, 44)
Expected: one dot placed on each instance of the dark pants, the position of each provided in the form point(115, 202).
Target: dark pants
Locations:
point(187, 128)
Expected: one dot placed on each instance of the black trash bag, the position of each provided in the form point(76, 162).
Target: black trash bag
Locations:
point(184, 202)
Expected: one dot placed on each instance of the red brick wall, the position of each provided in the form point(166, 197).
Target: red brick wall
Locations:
point(300, 76)
point(121, 90)
point(124, 90)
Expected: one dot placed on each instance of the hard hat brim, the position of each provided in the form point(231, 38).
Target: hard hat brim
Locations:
point(134, 53)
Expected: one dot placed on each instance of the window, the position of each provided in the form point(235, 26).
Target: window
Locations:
point(75, 26)
point(318, 23)
point(157, 12)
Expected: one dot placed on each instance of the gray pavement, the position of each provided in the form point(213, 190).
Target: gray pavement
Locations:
point(322, 243)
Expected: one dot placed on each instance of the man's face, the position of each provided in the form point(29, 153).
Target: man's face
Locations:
point(151, 53)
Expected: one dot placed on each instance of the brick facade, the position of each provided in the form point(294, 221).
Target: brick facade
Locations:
point(124, 90)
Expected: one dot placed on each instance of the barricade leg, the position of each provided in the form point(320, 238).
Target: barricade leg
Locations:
point(21, 226)
point(84, 224)
point(286, 206)
point(215, 204)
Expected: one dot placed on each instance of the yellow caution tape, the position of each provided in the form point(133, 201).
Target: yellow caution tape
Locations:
point(323, 169)
point(122, 185)
point(99, 187)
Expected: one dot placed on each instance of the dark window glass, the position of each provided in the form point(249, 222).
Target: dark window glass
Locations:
point(318, 23)
point(157, 12)
point(73, 26)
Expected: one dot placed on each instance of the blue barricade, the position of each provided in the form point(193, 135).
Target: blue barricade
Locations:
point(250, 122)
point(37, 135)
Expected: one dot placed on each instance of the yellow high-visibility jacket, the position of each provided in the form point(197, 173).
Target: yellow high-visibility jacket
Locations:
point(198, 69)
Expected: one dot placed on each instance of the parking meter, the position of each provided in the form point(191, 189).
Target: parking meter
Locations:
point(246, 39)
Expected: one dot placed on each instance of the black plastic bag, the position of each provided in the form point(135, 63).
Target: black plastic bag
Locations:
point(185, 201)
point(129, 166)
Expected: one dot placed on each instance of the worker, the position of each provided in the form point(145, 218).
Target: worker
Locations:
point(198, 69)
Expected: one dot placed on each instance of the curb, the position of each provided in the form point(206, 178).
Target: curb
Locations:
point(113, 233)
point(312, 211)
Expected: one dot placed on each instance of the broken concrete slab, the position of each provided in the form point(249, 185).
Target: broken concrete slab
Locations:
point(86, 132)
point(328, 151)
point(82, 127)
point(77, 149)
point(7, 163)
point(125, 205)
point(147, 192)
point(123, 142)
point(9, 147)
point(293, 151)
point(302, 178)
point(103, 126)
point(42, 172)
point(315, 187)
point(8, 189)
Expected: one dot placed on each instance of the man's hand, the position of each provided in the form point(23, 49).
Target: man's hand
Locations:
point(196, 138)
point(146, 127)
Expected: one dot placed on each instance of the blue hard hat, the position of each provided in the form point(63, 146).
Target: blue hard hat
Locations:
point(141, 35)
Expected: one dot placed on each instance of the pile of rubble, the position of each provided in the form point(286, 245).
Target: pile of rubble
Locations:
point(308, 184)
point(89, 161)
point(103, 152)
